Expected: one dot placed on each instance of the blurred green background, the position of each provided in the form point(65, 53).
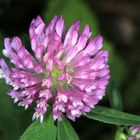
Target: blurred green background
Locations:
point(117, 20)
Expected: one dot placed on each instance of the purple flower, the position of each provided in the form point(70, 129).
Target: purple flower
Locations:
point(134, 133)
point(65, 70)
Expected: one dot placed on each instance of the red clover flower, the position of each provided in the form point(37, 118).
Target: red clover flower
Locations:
point(65, 70)
point(134, 133)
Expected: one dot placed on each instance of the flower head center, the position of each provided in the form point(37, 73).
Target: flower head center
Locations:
point(55, 73)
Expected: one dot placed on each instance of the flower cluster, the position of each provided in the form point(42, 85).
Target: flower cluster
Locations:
point(65, 70)
point(134, 133)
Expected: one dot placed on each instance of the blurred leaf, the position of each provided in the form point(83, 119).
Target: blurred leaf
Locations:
point(41, 131)
point(112, 116)
point(118, 67)
point(133, 94)
point(72, 10)
point(8, 120)
point(66, 131)
point(115, 97)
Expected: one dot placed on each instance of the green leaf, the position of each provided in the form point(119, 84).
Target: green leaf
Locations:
point(41, 131)
point(107, 115)
point(66, 131)
point(72, 10)
point(7, 122)
point(115, 97)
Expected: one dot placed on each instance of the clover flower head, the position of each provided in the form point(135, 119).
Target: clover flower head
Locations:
point(134, 133)
point(65, 70)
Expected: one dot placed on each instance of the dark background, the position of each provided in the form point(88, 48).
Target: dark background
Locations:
point(117, 20)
